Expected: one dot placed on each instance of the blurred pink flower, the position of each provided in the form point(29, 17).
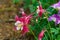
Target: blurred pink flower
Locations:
point(22, 22)
point(22, 11)
point(40, 10)
point(41, 34)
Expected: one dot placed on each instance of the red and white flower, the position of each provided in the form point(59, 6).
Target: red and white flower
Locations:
point(40, 10)
point(22, 22)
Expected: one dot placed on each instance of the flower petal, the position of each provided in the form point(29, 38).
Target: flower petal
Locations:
point(57, 5)
point(16, 18)
point(40, 10)
point(17, 22)
point(22, 11)
point(41, 34)
point(25, 30)
point(55, 18)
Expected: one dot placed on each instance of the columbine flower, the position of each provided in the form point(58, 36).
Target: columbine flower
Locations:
point(55, 18)
point(22, 23)
point(40, 10)
point(59, 12)
point(41, 34)
point(57, 5)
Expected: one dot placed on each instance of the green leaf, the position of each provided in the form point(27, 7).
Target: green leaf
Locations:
point(16, 1)
point(27, 3)
point(55, 31)
point(58, 29)
point(47, 3)
point(44, 38)
point(51, 11)
point(58, 37)
point(33, 1)
point(31, 7)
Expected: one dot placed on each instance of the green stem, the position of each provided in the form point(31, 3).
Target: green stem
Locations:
point(59, 25)
point(49, 26)
point(33, 34)
point(46, 37)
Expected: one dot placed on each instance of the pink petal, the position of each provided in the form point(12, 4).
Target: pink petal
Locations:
point(22, 19)
point(16, 18)
point(41, 34)
point(25, 30)
point(40, 7)
point(41, 10)
point(23, 13)
point(27, 19)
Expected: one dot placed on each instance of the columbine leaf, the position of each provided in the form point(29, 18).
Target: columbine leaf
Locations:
point(31, 7)
point(58, 37)
point(55, 31)
point(47, 3)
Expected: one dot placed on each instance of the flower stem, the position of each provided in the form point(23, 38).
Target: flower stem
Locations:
point(33, 34)
point(59, 25)
point(49, 26)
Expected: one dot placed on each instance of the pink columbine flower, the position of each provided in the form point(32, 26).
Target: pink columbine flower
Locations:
point(40, 10)
point(41, 34)
point(22, 22)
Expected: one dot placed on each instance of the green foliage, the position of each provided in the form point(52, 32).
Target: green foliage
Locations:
point(47, 3)
point(32, 9)
point(16, 1)
point(55, 31)
point(42, 23)
point(37, 26)
point(58, 37)
point(51, 11)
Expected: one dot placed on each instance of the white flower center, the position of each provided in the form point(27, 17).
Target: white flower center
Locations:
point(18, 28)
point(19, 25)
point(38, 9)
